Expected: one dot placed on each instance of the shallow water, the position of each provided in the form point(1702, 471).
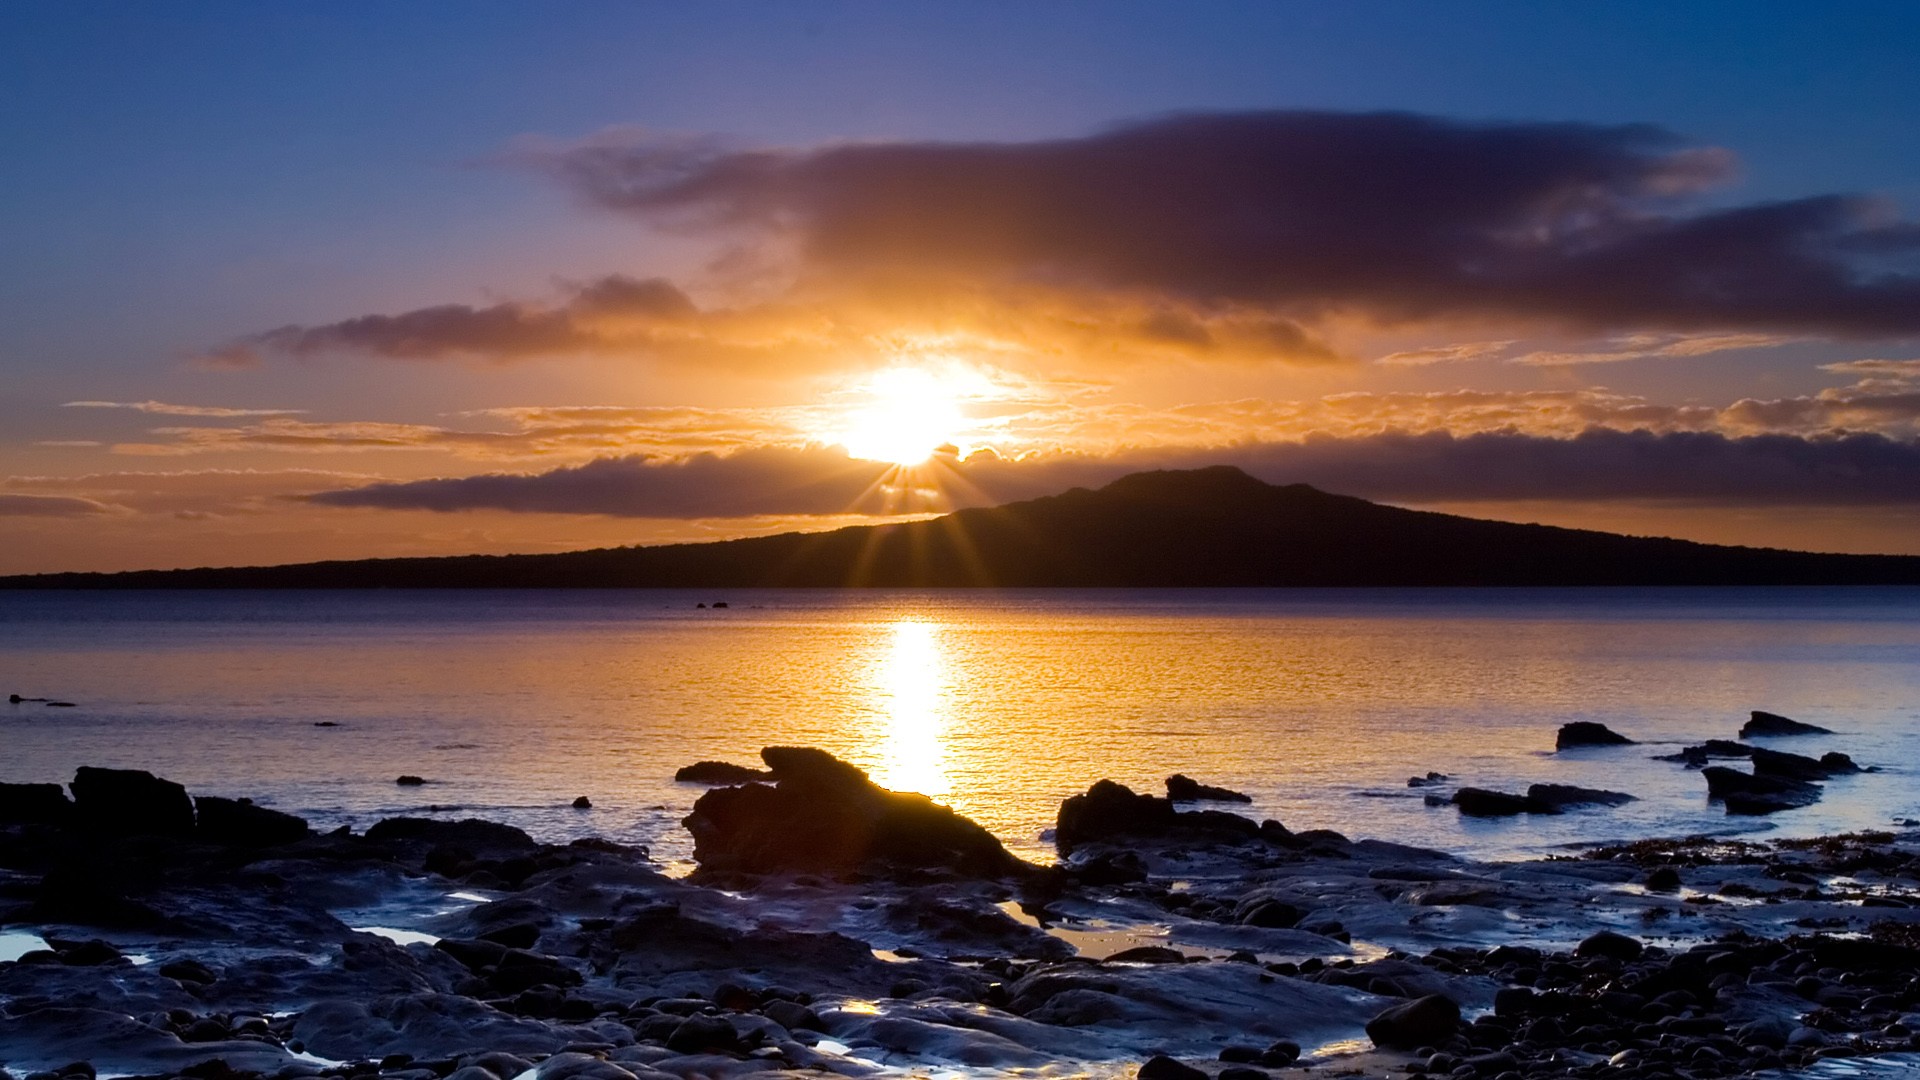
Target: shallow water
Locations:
point(1320, 704)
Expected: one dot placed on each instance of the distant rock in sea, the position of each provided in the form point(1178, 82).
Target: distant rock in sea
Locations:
point(719, 772)
point(1182, 788)
point(1588, 733)
point(1773, 725)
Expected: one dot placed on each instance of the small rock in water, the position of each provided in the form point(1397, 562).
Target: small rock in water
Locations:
point(583, 803)
point(1162, 1067)
point(1773, 725)
point(1427, 1021)
point(1428, 780)
point(1479, 802)
point(1663, 879)
point(718, 604)
point(410, 780)
point(1588, 733)
point(61, 705)
point(1564, 795)
point(719, 772)
point(1608, 944)
point(1182, 788)
point(325, 723)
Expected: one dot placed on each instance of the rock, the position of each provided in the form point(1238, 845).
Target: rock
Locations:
point(1242, 1072)
point(188, 971)
point(791, 1015)
point(409, 780)
point(583, 803)
point(1559, 796)
point(1800, 767)
point(1610, 945)
point(129, 802)
point(239, 823)
point(822, 815)
point(1162, 1067)
point(1773, 725)
point(1109, 868)
point(1588, 733)
point(1663, 879)
point(1109, 811)
point(1702, 753)
point(1745, 793)
point(1426, 1021)
point(34, 804)
point(701, 1034)
point(1428, 780)
point(1479, 802)
point(720, 772)
point(471, 834)
point(1181, 788)
point(1283, 1053)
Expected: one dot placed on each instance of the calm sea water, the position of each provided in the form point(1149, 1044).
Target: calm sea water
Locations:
point(1320, 704)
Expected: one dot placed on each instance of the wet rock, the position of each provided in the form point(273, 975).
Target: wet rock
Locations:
point(791, 1015)
point(1588, 733)
point(1162, 1067)
point(94, 953)
point(1480, 802)
point(1280, 1054)
point(583, 803)
point(1773, 725)
point(34, 804)
point(410, 780)
point(471, 834)
point(1109, 811)
point(822, 815)
point(1559, 796)
point(1426, 1021)
point(1182, 788)
point(1800, 767)
point(1428, 780)
point(1109, 868)
point(1746, 793)
point(188, 971)
point(1242, 1072)
point(1663, 879)
point(702, 1034)
point(239, 823)
point(130, 802)
point(1610, 945)
point(720, 772)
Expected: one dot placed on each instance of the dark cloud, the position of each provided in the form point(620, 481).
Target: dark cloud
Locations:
point(50, 506)
point(1393, 215)
point(1596, 465)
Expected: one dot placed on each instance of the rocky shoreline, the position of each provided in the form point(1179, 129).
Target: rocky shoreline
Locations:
point(833, 927)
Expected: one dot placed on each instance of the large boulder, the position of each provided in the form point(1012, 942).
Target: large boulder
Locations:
point(34, 804)
point(1426, 1021)
point(1773, 725)
point(130, 802)
point(823, 815)
point(1748, 794)
point(239, 823)
point(1588, 733)
point(1110, 811)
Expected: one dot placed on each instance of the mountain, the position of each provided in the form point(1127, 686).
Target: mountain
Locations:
point(1204, 527)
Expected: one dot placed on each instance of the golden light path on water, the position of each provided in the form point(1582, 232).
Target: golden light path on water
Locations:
point(910, 686)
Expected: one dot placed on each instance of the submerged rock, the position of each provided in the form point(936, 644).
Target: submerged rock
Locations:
point(130, 802)
point(239, 823)
point(719, 772)
point(1746, 793)
point(1698, 755)
point(1558, 796)
point(1770, 725)
point(1182, 788)
point(1588, 733)
point(1426, 1021)
point(1480, 802)
point(1113, 811)
point(823, 815)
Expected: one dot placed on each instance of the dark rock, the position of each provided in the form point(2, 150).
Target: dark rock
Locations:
point(1588, 733)
point(1428, 780)
point(34, 804)
point(1162, 1067)
point(1745, 793)
point(1280, 1054)
point(1269, 913)
point(583, 803)
point(1147, 954)
point(1564, 795)
point(513, 936)
point(188, 971)
point(1663, 879)
point(791, 1015)
point(720, 772)
point(410, 780)
point(1426, 1021)
point(703, 1034)
point(1610, 945)
point(471, 834)
point(1110, 868)
point(1242, 1072)
point(1800, 767)
point(239, 823)
point(1182, 788)
point(822, 815)
point(1108, 811)
point(1239, 1055)
point(130, 802)
point(1770, 725)
point(1479, 802)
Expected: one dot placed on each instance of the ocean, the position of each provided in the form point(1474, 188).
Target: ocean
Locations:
point(1320, 704)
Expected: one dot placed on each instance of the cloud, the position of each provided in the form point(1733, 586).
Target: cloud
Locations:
point(1653, 347)
point(51, 506)
point(1299, 214)
point(1596, 464)
point(1891, 369)
point(165, 409)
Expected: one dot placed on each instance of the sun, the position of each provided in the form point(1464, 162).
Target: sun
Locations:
point(908, 414)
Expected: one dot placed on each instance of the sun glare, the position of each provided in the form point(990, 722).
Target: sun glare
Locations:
point(908, 415)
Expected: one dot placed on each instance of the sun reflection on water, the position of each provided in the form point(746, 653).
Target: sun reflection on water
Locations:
point(910, 688)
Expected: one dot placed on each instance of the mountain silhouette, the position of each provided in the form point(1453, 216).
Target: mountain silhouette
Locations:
point(1195, 528)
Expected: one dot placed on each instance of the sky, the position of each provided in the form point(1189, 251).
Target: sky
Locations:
point(302, 281)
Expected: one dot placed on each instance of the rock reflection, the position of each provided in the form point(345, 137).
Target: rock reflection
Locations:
point(910, 686)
